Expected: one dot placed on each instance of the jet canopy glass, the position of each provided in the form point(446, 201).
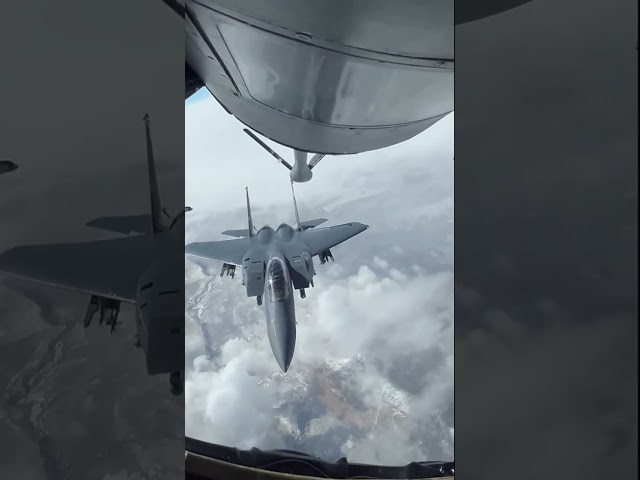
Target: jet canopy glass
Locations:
point(276, 280)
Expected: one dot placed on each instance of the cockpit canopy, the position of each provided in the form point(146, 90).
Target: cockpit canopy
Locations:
point(277, 280)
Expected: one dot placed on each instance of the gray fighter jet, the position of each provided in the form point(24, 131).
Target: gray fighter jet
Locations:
point(140, 269)
point(275, 263)
point(7, 166)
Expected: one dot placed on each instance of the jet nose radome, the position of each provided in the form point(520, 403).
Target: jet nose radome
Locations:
point(281, 329)
point(283, 357)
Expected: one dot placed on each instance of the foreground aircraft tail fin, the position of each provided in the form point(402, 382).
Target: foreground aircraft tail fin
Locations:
point(250, 220)
point(156, 205)
point(295, 207)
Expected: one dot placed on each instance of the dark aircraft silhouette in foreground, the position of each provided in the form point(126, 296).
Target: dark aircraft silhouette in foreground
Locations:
point(140, 269)
point(274, 263)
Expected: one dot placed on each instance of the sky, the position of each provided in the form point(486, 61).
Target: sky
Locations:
point(377, 328)
point(202, 94)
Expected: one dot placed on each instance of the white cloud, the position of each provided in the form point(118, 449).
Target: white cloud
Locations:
point(374, 351)
point(347, 316)
point(227, 404)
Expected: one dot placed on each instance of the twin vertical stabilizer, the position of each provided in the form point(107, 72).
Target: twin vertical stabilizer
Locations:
point(252, 232)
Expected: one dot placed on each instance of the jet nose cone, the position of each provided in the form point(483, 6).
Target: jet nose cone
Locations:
point(283, 346)
point(281, 329)
point(283, 362)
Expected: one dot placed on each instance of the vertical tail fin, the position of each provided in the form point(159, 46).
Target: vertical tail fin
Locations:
point(156, 205)
point(250, 220)
point(295, 207)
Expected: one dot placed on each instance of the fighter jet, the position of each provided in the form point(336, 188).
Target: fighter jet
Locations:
point(329, 77)
point(145, 269)
point(7, 166)
point(275, 263)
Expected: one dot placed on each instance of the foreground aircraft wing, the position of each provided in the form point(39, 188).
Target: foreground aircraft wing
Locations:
point(321, 239)
point(106, 268)
point(226, 251)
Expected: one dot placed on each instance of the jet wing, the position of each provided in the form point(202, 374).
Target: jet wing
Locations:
point(124, 224)
point(106, 268)
point(320, 239)
point(226, 251)
point(312, 223)
point(237, 233)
